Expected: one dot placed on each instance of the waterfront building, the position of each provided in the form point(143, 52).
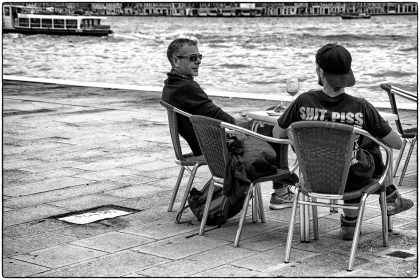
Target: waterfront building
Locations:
point(400, 8)
point(178, 9)
point(326, 8)
point(107, 8)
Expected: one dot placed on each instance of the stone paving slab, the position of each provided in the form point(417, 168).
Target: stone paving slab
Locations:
point(29, 214)
point(69, 148)
point(180, 247)
point(62, 194)
point(59, 255)
point(86, 201)
point(273, 259)
point(45, 186)
point(161, 229)
point(113, 241)
point(189, 266)
point(16, 268)
point(111, 265)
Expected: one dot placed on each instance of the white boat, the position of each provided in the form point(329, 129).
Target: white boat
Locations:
point(23, 19)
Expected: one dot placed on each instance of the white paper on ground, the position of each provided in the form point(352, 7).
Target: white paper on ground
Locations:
point(90, 217)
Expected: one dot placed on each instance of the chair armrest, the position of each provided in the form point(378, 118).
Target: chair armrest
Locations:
point(234, 129)
point(400, 92)
point(388, 152)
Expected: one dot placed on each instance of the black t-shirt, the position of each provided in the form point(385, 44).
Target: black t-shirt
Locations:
point(316, 105)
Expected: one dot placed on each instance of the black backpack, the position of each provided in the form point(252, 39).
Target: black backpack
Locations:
point(221, 207)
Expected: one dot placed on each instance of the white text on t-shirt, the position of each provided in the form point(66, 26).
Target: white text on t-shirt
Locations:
point(316, 114)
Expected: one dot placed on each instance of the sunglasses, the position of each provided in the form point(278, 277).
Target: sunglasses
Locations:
point(192, 57)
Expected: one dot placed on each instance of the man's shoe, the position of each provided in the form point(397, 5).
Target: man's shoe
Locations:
point(397, 204)
point(347, 227)
point(281, 201)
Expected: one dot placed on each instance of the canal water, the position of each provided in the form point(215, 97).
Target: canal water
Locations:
point(249, 55)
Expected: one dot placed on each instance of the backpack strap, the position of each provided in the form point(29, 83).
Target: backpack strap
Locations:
point(178, 216)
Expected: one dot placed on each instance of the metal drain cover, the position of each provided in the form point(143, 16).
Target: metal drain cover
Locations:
point(400, 254)
point(95, 214)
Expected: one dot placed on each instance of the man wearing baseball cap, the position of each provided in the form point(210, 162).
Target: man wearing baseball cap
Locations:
point(333, 68)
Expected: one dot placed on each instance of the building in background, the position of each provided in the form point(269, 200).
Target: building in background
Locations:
point(229, 9)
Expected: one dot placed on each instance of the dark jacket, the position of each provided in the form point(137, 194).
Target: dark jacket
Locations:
point(185, 94)
point(249, 159)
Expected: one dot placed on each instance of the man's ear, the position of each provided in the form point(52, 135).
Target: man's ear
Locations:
point(175, 60)
point(321, 72)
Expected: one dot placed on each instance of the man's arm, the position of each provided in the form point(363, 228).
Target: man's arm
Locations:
point(392, 140)
point(201, 104)
point(279, 132)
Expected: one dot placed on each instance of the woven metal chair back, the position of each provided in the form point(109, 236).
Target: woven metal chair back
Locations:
point(212, 140)
point(173, 115)
point(324, 151)
point(392, 92)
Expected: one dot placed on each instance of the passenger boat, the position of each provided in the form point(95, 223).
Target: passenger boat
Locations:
point(355, 16)
point(23, 19)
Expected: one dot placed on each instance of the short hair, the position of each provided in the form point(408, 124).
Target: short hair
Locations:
point(176, 45)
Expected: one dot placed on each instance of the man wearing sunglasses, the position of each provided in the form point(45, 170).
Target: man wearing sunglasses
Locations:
point(181, 91)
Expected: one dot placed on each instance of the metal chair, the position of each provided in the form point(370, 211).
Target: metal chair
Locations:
point(187, 161)
point(408, 134)
point(211, 135)
point(324, 151)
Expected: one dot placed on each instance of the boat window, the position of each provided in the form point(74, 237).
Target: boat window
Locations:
point(35, 22)
point(58, 23)
point(71, 24)
point(46, 23)
point(6, 11)
point(24, 22)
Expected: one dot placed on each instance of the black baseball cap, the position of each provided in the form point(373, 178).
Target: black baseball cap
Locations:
point(335, 61)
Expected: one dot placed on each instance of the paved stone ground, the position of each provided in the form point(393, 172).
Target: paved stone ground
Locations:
point(69, 148)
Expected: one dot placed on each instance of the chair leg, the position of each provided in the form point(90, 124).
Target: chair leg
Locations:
point(315, 220)
point(307, 217)
point(260, 203)
point(254, 204)
point(189, 185)
point(302, 218)
point(243, 215)
point(291, 226)
point(206, 208)
point(384, 215)
point(176, 188)
point(357, 231)
point(400, 154)
point(410, 151)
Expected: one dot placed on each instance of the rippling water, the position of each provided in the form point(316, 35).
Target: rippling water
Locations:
point(252, 55)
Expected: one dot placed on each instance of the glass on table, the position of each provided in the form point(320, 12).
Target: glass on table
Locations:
point(292, 86)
